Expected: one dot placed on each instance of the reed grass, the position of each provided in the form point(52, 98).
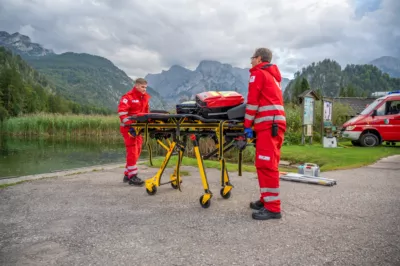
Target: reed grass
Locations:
point(44, 124)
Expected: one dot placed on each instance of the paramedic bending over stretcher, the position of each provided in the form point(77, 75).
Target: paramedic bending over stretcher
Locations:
point(264, 110)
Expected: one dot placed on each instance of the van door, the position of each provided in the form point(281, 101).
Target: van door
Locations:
point(393, 120)
point(387, 120)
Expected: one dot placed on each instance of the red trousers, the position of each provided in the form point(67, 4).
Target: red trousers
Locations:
point(267, 159)
point(133, 147)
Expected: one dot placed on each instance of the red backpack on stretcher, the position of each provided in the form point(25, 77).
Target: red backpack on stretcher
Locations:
point(213, 104)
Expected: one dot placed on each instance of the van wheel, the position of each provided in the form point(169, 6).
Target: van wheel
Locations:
point(369, 140)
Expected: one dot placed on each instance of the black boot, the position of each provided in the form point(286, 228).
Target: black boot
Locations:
point(136, 181)
point(256, 205)
point(264, 214)
point(126, 179)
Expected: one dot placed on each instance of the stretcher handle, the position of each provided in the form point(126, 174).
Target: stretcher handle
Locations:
point(234, 134)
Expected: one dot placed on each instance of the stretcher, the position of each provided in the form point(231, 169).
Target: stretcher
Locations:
point(171, 131)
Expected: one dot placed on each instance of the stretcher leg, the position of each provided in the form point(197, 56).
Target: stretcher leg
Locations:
point(205, 199)
point(225, 182)
point(225, 191)
point(154, 182)
point(150, 154)
point(175, 176)
point(240, 162)
point(147, 142)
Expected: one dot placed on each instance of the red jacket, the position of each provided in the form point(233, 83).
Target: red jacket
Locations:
point(264, 99)
point(133, 102)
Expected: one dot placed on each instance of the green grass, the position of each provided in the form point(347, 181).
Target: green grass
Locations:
point(344, 157)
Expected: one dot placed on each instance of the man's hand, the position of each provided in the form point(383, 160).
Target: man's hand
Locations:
point(132, 132)
point(248, 132)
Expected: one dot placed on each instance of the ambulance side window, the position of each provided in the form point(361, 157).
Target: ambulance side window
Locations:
point(394, 107)
point(381, 110)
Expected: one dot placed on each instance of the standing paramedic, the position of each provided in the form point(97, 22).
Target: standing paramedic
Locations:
point(133, 102)
point(265, 112)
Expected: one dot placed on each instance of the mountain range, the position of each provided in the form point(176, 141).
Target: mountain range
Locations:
point(91, 79)
point(180, 84)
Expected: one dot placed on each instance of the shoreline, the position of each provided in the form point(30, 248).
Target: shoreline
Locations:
point(80, 170)
point(61, 173)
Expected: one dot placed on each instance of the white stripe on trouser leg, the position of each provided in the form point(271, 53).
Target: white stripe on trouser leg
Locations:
point(132, 167)
point(268, 189)
point(270, 198)
point(132, 170)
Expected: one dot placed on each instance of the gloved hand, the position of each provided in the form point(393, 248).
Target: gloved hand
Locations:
point(132, 132)
point(248, 132)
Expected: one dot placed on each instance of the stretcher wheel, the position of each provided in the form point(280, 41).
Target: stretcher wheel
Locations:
point(154, 190)
point(174, 185)
point(227, 195)
point(205, 205)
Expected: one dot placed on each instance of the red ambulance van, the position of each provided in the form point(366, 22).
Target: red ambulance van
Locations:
point(378, 123)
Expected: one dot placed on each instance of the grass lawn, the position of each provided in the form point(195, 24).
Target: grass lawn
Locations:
point(344, 157)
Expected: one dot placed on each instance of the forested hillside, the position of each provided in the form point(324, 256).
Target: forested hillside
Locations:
point(23, 90)
point(328, 79)
point(84, 78)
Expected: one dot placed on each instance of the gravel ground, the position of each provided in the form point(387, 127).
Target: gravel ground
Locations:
point(94, 219)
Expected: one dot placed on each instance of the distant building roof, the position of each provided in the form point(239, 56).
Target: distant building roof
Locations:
point(309, 93)
point(357, 104)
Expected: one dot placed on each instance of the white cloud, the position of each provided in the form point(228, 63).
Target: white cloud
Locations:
point(147, 36)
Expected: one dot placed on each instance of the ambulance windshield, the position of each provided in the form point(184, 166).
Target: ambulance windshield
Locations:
point(370, 107)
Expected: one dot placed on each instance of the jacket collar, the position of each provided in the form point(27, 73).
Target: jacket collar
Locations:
point(261, 65)
point(139, 94)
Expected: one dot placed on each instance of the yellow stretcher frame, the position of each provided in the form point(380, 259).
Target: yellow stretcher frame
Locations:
point(229, 133)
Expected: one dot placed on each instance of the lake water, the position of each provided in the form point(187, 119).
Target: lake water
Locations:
point(19, 157)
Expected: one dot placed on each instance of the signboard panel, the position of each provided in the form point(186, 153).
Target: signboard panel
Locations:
point(308, 116)
point(327, 111)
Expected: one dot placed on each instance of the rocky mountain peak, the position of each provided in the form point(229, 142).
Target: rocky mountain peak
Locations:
point(208, 67)
point(22, 44)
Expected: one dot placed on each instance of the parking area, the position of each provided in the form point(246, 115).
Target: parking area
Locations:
point(94, 218)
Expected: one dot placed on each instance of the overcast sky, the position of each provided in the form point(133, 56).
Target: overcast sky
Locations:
point(149, 36)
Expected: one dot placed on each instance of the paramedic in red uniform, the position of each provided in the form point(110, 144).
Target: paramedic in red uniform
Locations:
point(266, 114)
point(133, 102)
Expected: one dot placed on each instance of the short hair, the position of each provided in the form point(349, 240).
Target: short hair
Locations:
point(141, 81)
point(264, 53)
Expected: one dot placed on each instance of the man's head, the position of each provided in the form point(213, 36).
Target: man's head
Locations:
point(141, 85)
point(261, 55)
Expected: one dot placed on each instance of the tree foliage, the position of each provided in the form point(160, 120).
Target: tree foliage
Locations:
point(329, 80)
point(23, 91)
